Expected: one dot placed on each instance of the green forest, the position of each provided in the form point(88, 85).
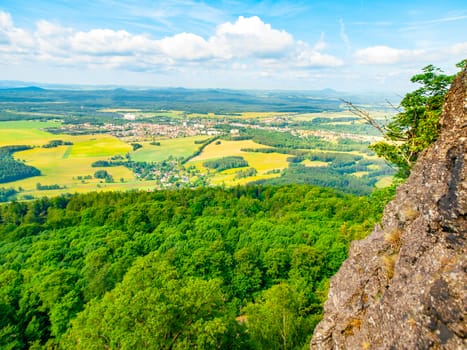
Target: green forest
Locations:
point(211, 268)
point(225, 163)
point(12, 169)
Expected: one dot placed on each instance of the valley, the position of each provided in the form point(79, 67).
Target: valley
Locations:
point(141, 148)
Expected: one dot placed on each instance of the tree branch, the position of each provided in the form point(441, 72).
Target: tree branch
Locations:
point(362, 114)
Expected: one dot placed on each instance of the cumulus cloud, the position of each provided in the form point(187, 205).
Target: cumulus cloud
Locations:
point(185, 46)
point(311, 57)
point(246, 41)
point(109, 42)
point(5, 20)
point(385, 55)
point(380, 55)
point(249, 37)
point(13, 40)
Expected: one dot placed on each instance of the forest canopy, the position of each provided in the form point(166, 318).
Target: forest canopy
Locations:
point(207, 268)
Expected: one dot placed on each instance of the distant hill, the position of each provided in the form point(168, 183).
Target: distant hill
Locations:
point(19, 89)
point(370, 97)
point(190, 100)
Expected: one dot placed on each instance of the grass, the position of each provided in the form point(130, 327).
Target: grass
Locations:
point(384, 182)
point(264, 115)
point(262, 162)
point(178, 147)
point(332, 115)
point(360, 173)
point(98, 146)
point(389, 263)
point(27, 124)
point(117, 110)
point(242, 115)
point(394, 238)
point(26, 133)
point(56, 169)
point(227, 148)
point(314, 163)
point(62, 165)
point(93, 186)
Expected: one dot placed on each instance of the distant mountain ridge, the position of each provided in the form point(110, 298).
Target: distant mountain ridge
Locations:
point(190, 100)
point(25, 88)
point(325, 92)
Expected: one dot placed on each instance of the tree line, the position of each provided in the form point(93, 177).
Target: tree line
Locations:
point(12, 169)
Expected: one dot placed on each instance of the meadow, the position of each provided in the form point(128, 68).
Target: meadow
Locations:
point(178, 147)
point(262, 162)
point(26, 133)
point(66, 166)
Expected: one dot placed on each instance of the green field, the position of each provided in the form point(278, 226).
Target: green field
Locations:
point(99, 146)
point(26, 133)
point(178, 147)
point(64, 164)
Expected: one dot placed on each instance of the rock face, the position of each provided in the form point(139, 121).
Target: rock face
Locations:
point(404, 286)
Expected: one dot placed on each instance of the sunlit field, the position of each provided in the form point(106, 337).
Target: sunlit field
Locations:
point(178, 147)
point(66, 166)
point(262, 162)
point(98, 146)
point(26, 133)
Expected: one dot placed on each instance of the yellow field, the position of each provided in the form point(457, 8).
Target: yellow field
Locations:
point(342, 114)
point(262, 162)
point(360, 173)
point(384, 182)
point(313, 163)
point(98, 146)
point(242, 115)
point(117, 110)
point(227, 148)
point(64, 164)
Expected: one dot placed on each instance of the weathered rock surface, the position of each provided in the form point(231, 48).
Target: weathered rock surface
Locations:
point(404, 286)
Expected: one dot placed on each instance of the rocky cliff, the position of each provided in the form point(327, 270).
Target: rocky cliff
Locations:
point(404, 286)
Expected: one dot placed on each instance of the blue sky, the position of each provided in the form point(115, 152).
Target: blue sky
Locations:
point(344, 45)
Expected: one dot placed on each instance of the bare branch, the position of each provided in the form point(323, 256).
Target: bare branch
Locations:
point(362, 114)
point(396, 108)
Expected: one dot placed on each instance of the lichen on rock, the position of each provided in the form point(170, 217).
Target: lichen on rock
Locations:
point(404, 286)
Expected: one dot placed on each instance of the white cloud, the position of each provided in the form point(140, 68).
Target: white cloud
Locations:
point(13, 40)
point(109, 42)
point(185, 46)
point(384, 55)
point(5, 20)
point(247, 40)
point(321, 44)
point(311, 57)
point(460, 49)
point(250, 37)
